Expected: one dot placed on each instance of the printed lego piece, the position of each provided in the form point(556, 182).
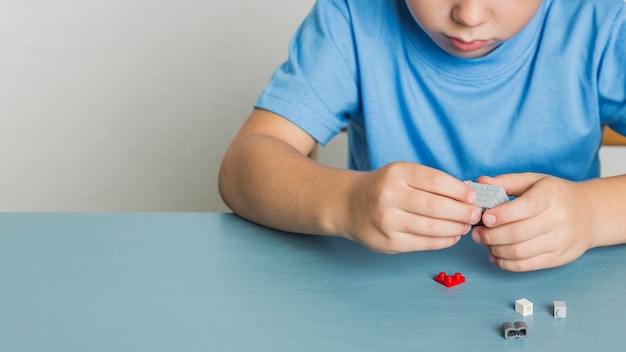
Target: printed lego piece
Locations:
point(524, 306)
point(560, 310)
point(514, 330)
point(488, 196)
point(450, 280)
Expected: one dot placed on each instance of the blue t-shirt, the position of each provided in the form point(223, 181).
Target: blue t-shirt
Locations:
point(536, 103)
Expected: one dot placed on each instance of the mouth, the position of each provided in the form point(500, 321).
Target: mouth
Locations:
point(467, 46)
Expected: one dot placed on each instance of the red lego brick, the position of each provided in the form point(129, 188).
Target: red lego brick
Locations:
point(450, 280)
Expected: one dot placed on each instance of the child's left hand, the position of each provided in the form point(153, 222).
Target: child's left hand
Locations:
point(547, 225)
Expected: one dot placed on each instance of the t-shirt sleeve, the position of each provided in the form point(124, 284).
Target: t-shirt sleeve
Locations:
point(612, 76)
point(316, 88)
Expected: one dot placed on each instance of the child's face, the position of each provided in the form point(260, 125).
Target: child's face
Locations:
point(472, 28)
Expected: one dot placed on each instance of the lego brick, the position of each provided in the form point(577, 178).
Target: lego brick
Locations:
point(524, 306)
point(449, 280)
point(488, 196)
point(560, 309)
point(514, 330)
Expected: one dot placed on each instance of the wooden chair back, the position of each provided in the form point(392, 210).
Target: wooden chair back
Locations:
point(613, 138)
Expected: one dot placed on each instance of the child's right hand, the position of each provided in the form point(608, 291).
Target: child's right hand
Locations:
point(405, 207)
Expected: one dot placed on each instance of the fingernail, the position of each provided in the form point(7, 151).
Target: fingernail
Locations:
point(468, 227)
point(476, 215)
point(471, 197)
point(492, 258)
point(489, 219)
point(475, 236)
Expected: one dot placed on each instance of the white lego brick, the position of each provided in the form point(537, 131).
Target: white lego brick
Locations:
point(524, 306)
point(560, 309)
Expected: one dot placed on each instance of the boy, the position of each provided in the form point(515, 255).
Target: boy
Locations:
point(433, 92)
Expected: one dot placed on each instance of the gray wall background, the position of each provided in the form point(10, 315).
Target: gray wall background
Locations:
point(128, 105)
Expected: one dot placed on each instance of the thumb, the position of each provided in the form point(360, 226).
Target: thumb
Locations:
point(514, 184)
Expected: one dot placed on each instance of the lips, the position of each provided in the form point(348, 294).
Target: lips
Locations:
point(467, 46)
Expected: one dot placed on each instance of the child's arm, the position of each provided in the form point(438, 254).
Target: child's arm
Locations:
point(553, 221)
point(266, 177)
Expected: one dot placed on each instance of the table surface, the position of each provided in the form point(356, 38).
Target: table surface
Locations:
point(215, 282)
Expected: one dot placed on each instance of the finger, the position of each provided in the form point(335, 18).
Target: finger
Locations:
point(508, 234)
point(419, 225)
point(521, 250)
point(511, 234)
point(542, 261)
point(435, 206)
point(521, 208)
point(438, 182)
point(514, 184)
point(402, 242)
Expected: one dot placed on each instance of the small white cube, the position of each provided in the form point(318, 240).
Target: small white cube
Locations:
point(524, 306)
point(560, 310)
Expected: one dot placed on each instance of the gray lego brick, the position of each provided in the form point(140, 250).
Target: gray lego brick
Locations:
point(513, 330)
point(488, 196)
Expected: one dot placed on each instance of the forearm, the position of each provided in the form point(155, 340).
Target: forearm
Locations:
point(607, 208)
point(270, 182)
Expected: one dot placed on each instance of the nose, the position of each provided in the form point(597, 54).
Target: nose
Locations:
point(471, 13)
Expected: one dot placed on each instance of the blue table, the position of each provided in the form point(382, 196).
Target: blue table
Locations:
point(215, 282)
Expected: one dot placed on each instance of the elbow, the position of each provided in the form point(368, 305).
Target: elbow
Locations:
point(225, 185)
